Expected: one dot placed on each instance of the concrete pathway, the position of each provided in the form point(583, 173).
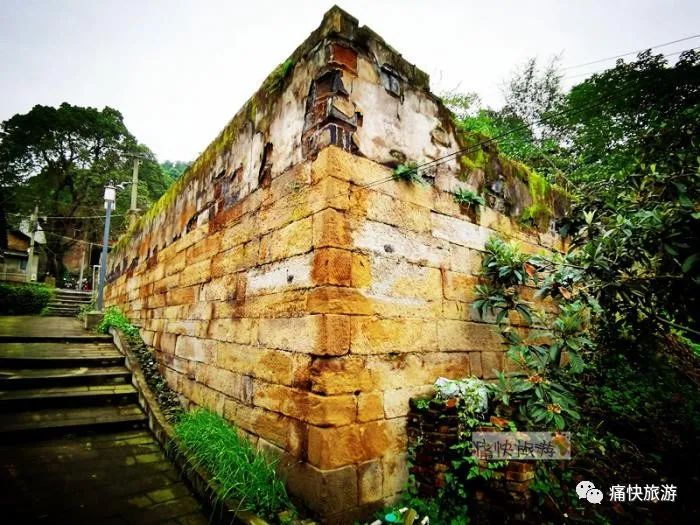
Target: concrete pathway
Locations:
point(73, 446)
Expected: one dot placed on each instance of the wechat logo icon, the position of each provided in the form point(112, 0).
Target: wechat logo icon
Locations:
point(586, 489)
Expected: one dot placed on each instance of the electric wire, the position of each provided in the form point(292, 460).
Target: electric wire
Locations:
point(630, 53)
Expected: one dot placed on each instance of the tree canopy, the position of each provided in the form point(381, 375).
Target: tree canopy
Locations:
point(60, 159)
point(624, 142)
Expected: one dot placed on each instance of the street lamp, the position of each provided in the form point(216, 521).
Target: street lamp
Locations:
point(110, 197)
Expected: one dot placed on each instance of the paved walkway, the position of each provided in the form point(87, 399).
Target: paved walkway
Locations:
point(106, 479)
point(95, 476)
point(36, 326)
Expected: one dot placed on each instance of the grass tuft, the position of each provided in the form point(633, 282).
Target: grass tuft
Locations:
point(240, 472)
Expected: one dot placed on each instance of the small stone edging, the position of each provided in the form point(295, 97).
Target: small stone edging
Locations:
point(165, 435)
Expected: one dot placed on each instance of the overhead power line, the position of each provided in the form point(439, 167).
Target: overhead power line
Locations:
point(72, 238)
point(524, 127)
point(630, 53)
point(588, 73)
point(69, 217)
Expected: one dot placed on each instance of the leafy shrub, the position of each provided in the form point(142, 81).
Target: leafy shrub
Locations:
point(20, 299)
point(408, 173)
point(114, 317)
point(241, 472)
point(84, 309)
point(469, 198)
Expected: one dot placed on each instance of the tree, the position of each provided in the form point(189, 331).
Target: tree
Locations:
point(173, 169)
point(530, 94)
point(61, 158)
point(637, 187)
point(638, 111)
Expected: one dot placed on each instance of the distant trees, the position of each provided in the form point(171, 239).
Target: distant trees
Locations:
point(61, 158)
point(173, 169)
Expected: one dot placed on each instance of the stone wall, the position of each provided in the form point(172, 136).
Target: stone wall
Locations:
point(290, 284)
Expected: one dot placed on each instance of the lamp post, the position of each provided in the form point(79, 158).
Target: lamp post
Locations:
point(110, 197)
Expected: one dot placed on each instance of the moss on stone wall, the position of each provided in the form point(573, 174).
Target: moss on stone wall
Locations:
point(538, 200)
point(256, 112)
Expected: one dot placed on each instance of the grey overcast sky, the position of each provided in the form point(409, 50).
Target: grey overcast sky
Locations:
point(178, 70)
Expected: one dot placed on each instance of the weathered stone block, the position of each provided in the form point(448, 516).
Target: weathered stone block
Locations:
point(283, 431)
point(381, 207)
point(395, 474)
point(293, 239)
point(263, 363)
point(459, 286)
point(242, 331)
point(195, 349)
point(326, 491)
point(370, 407)
point(306, 406)
point(491, 362)
point(235, 259)
point(338, 300)
point(464, 335)
point(370, 481)
point(195, 273)
point(178, 296)
point(332, 447)
point(331, 228)
point(237, 386)
point(391, 241)
point(379, 336)
point(332, 266)
point(295, 272)
point(396, 401)
point(204, 249)
point(399, 278)
point(459, 231)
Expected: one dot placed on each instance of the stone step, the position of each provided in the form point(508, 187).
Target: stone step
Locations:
point(63, 306)
point(59, 310)
point(71, 292)
point(70, 396)
point(59, 377)
point(69, 299)
point(39, 423)
point(60, 355)
point(49, 338)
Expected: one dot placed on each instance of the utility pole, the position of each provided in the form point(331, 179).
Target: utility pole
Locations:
point(134, 211)
point(32, 230)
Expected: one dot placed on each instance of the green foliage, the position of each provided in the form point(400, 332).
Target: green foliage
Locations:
point(462, 105)
point(23, 299)
point(469, 198)
point(504, 264)
point(239, 471)
point(628, 285)
point(172, 170)
point(541, 398)
point(408, 173)
point(61, 158)
point(84, 309)
point(641, 110)
point(114, 318)
point(505, 268)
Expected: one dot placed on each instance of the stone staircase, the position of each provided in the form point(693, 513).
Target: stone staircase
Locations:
point(66, 303)
point(53, 385)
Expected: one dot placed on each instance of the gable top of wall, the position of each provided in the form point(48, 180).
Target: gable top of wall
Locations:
point(273, 131)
